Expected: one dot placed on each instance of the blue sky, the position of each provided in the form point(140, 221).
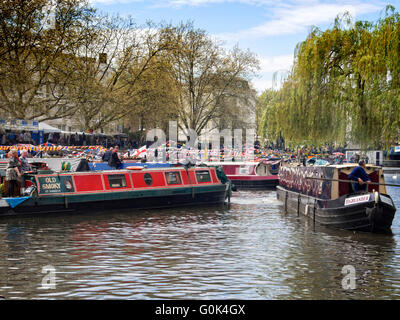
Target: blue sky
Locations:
point(269, 28)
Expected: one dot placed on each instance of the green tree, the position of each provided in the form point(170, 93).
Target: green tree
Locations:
point(344, 85)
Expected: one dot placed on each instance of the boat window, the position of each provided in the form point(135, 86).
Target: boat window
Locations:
point(203, 176)
point(117, 181)
point(148, 179)
point(244, 170)
point(173, 178)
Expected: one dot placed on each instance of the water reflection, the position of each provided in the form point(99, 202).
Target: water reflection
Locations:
point(251, 250)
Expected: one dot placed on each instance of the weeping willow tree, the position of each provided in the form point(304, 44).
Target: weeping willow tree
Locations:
point(343, 86)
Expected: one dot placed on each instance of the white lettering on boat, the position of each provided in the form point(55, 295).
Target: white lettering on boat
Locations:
point(50, 186)
point(354, 200)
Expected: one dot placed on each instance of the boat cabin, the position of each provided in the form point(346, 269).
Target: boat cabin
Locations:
point(134, 178)
point(261, 168)
point(329, 187)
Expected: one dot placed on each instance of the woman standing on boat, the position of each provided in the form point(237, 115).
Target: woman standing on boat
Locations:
point(358, 174)
point(13, 171)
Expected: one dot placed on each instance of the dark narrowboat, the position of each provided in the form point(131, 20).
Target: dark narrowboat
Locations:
point(328, 198)
point(134, 188)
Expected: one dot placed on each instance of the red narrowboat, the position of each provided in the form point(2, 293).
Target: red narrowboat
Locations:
point(251, 175)
point(134, 188)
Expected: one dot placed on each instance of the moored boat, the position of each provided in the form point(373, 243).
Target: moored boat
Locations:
point(134, 188)
point(251, 175)
point(325, 195)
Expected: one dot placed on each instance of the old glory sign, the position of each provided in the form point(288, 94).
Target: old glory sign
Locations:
point(55, 184)
point(354, 200)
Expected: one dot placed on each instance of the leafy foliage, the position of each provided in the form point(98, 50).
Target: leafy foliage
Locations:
point(344, 86)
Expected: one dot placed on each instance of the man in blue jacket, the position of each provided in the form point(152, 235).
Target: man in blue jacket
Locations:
point(358, 174)
point(107, 155)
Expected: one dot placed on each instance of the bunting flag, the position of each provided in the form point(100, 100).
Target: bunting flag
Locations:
point(140, 151)
point(50, 147)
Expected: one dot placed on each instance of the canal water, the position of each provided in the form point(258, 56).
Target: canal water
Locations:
point(251, 250)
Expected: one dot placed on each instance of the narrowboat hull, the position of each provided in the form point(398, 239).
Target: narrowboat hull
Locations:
point(118, 201)
point(136, 188)
point(364, 215)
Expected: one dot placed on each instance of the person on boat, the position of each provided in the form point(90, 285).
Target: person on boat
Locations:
point(13, 171)
point(107, 155)
point(114, 160)
point(25, 167)
point(358, 174)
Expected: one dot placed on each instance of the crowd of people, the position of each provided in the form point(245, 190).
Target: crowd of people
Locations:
point(10, 138)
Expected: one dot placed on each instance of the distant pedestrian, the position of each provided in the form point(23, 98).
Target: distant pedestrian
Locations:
point(72, 140)
point(76, 139)
point(27, 137)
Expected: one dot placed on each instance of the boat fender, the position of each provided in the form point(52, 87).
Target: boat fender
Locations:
point(286, 201)
point(134, 168)
point(376, 194)
point(307, 209)
point(298, 204)
point(66, 166)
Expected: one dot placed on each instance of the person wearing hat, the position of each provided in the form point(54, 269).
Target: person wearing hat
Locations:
point(360, 176)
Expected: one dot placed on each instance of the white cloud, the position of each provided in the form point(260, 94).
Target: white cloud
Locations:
point(113, 1)
point(197, 3)
point(276, 63)
point(262, 84)
point(296, 18)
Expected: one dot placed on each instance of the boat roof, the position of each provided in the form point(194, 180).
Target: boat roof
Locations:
point(140, 169)
point(352, 165)
point(337, 166)
point(230, 163)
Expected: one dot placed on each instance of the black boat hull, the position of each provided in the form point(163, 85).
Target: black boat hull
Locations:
point(267, 184)
point(368, 216)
